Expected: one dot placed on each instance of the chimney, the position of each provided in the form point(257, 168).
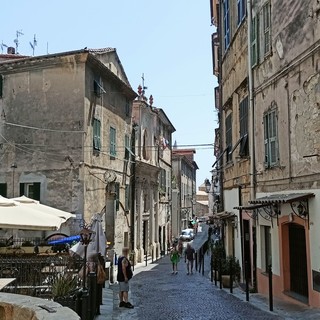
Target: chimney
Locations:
point(11, 50)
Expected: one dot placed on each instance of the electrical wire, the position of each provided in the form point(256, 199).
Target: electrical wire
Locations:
point(42, 129)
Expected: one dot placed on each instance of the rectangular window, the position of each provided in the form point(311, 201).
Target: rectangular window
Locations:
point(226, 23)
point(163, 182)
point(3, 189)
point(266, 247)
point(96, 134)
point(126, 147)
point(255, 41)
point(229, 137)
point(241, 6)
point(243, 119)
point(30, 190)
point(270, 123)
point(113, 143)
point(266, 14)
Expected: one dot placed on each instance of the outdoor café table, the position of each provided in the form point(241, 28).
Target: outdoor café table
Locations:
point(5, 281)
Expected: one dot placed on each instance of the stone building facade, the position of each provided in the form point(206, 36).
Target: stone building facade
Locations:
point(284, 60)
point(184, 170)
point(65, 121)
point(153, 137)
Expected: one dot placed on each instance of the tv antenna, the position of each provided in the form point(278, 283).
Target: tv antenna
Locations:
point(16, 40)
point(144, 88)
point(33, 44)
point(3, 46)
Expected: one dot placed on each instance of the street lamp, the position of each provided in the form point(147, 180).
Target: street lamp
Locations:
point(85, 239)
point(207, 185)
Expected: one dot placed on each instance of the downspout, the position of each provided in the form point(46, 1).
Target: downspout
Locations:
point(133, 188)
point(251, 103)
point(220, 171)
point(252, 155)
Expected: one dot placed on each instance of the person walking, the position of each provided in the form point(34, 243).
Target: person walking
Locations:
point(175, 258)
point(189, 254)
point(124, 275)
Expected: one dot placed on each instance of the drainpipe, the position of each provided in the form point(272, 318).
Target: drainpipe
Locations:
point(133, 187)
point(252, 131)
point(251, 103)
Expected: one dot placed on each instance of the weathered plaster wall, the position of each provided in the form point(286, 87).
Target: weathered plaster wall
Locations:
point(47, 95)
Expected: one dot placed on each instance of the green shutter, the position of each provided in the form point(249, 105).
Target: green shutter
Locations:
point(99, 134)
point(36, 190)
point(113, 151)
point(22, 189)
point(255, 41)
point(127, 197)
point(117, 187)
point(96, 134)
point(3, 189)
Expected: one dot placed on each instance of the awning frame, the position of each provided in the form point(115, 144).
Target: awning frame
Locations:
point(271, 206)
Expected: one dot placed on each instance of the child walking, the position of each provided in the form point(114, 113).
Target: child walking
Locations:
point(175, 258)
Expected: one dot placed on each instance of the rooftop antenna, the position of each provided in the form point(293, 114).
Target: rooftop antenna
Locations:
point(34, 44)
point(143, 86)
point(47, 47)
point(3, 46)
point(16, 40)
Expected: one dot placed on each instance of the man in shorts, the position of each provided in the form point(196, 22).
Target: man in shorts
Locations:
point(189, 255)
point(123, 277)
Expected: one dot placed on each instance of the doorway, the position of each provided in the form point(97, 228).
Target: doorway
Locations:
point(298, 261)
point(145, 236)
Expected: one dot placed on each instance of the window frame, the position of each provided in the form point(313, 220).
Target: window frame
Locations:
point(226, 24)
point(266, 27)
point(271, 137)
point(255, 41)
point(36, 192)
point(267, 247)
point(113, 141)
point(96, 134)
point(228, 127)
point(241, 11)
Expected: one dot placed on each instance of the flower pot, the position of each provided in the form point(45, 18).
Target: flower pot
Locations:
point(68, 301)
point(226, 281)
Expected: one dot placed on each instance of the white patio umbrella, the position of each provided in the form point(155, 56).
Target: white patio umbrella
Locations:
point(15, 216)
point(98, 243)
point(34, 204)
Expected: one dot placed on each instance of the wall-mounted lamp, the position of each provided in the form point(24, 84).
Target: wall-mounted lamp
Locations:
point(301, 209)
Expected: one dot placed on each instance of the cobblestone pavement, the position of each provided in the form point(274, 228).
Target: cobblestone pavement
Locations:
point(157, 295)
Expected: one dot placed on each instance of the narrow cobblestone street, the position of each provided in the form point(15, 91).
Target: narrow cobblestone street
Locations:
point(157, 294)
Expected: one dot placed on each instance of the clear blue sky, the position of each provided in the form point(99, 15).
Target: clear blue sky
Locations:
point(169, 41)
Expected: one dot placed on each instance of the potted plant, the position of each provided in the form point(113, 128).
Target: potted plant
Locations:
point(63, 290)
point(227, 264)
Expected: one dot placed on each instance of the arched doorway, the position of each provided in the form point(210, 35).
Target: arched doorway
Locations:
point(295, 261)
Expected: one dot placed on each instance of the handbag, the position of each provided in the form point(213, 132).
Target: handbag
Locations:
point(101, 275)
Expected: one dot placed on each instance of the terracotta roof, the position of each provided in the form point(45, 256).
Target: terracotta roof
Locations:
point(11, 56)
